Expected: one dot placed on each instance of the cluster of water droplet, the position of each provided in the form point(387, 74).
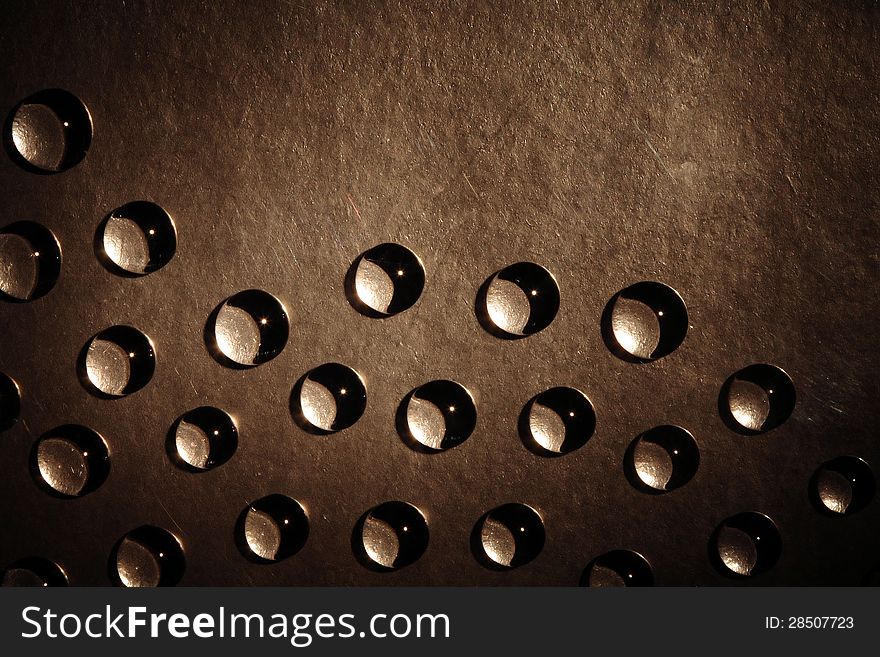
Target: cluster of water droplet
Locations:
point(51, 132)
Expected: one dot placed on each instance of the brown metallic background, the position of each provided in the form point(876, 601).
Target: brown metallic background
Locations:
point(731, 153)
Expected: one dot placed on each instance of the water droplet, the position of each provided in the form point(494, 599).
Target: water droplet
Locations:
point(48, 132)
point(329, 398)
point(843, 486)
point(385, 281)
point(390, 536)
point(136, 239)
point(557, 421)
point(437, 416)
point(518, 301)
point(117, 362)
point(10, 402)
point(203, 438)
point(136, 562)
point(238, 336)
point(662, 459)
point(30, 261)
point(745, 544)
point(644, 322)
point(618, 568)
point(746, 404)
point(35, 572)
point(272, 528)
point(508, 536)
point(70, 461)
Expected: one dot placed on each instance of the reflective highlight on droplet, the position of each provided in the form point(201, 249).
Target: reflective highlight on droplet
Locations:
point(70, 460)
point(117, 362)
point(34, 572)
point(385, 280)
point(557, 421)
point(328, 398)
point(745, 545)
point(203, 438)
point(248, 329)
point(644, 322)
point(272, 528)
point(390, 536)
point(30, 261)
point(48, 132)
point(518, 301)
point(662, 459)
point(508, 536)
point(756, 399)
point(147, 557)
point(437, 415)
point(618, 568)
point(843, 486)
point(136, 239)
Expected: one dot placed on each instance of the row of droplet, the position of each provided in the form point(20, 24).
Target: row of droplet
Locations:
point(73, 460)
point(643, 322)
point(434, 417)
point(395, 534)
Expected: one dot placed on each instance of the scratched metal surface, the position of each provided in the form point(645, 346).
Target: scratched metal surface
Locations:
point(731, 154)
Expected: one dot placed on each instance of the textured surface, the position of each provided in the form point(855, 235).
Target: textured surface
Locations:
point(732, 155)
